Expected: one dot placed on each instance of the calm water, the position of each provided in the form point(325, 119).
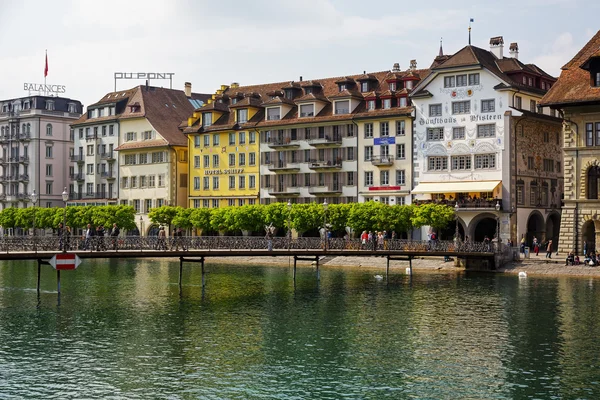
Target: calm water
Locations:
point(122, 330)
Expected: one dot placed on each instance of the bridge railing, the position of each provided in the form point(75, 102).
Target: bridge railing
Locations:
point(147, 243)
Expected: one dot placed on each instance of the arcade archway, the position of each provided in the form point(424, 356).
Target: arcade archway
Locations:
point(450, 230)
point(535, 228)
point(553, 227)
point(588, 235)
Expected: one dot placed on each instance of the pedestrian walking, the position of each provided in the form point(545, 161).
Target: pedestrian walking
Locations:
point(549, 249)
point(269, 238)
point(161, 244)
point(536, 246)
point(114, 234)
point(88, 236)
point(61, 236)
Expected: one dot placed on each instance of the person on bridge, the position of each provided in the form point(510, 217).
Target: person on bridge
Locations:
point(114, 233)
point(89, 237)
point(162, 239)
point(269, 237)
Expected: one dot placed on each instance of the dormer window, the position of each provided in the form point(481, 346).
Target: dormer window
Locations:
point(50, 105)
point(273, 113)
point(206, 119)
point(370, 105)
point(289, 94)
point(134, 108)
point(234, 100)
point(307, 110)
point(342, 107)
point(342, 87)
point(387, 103)
point(72, 107)
point(392, 86)
point(409, 84)
point(26, 105)
point(595, 78)
point(402, 102)
point(308, 90)
point(242, 115)
point(524, 80)
point(364, 86)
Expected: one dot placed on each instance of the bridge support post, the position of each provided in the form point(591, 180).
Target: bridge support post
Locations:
point(410, 266)
point(318, 272)
point(203, 274)
point(180, 270)
point(58, 280)
point(294, 273)
point(387, 268)
point(39, 263)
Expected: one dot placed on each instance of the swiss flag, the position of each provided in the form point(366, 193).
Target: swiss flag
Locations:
point(46, 67)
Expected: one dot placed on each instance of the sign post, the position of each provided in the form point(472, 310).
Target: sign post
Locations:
point(65, 261)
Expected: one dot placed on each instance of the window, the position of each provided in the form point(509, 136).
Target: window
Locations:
point(368, 153)
point(532, 106)
point(437, 163)
point(215, 161)
point(206, 183)
point(350, 178)
point(196, 161)
point(400, 177)
point(530, 163)
point(488, 106)
point(158, 157)
point(232, 160)
point(50, 107)
point(111, 130)
point(151, 181)
point(473, 79)
point(89, 188)
point(90, 150)
point(242, 115)
point(461, 107)
point(387, 103)
point(161, 180)
point(448, 81)
point(546, 137)
point(518, 102)
point(205, 203)
point(400, 128)
point(48, 169)
point(384, 178)
point(242, 159)
point(384, 129)
point(364, 86)
point(342, 107)
point(461, 80)
point(147, 135)
point(216, 139)
point(596, 78)
point(368, 131)
point(400, 151)
point(49, 130)
point(384, 200)
point(231, 182)
point(486, 130)
point(206, 119)
point(48, 151)
point(242, 182)
point(458, 133)
point(435, 110)
point(520, 192)
point(242, 137)
point(232, 138)
point(461, 163)
point(341, 87)
point(400, 201)
point(435, 134)
point(485, 161)
point(215, 182)
point(403, 102)
point(143, 181)
point(368, 178)
point(125, 182)
point(252, 158)
point(307, 110)
point(350, 154)
point(392, 86)
point(548, 165)
point(252, 181)
point(134, 181)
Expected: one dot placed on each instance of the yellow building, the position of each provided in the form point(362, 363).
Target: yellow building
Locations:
point(224, 148)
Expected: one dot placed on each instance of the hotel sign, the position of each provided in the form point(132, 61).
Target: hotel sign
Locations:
point(42, 87)
point(229, 171)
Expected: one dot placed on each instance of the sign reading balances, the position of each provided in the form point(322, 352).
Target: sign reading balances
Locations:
point(229, 171)
point(42, 87)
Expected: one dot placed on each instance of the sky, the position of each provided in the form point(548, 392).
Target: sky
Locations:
point(211, 43)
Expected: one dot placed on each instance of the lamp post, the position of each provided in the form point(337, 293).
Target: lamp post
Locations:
point(34, 199)
point(498, 225)
point(325, 205)
point(456, 207)
point(289, 225)
point(65, 197)
point(141, 226)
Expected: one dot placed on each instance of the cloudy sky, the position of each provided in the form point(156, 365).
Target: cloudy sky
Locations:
point(210, 43)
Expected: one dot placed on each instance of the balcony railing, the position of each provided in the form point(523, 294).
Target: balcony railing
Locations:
point(77, 157)
point(466, 204)
point(283, 143)
point(25, 136)
point(324, 165)
point(79, 176)
point(91, 137)
point(382, 160)
point(91, 195)
point(107, 156)
point(281, 166)
point(108, 175)
point(284, 191)
point(24, 159)
point(24, 177)
point(335, 140)
point(325, 190)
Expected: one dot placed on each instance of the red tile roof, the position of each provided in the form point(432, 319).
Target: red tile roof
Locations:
point(574, 84)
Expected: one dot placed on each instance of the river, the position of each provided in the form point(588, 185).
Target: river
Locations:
point(121, 329)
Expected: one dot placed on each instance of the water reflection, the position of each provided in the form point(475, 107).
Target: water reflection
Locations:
point(125, 328)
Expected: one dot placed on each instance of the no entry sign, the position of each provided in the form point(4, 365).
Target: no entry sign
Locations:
point(65, 261)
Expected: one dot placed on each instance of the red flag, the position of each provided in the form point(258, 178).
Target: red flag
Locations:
point(46, 68)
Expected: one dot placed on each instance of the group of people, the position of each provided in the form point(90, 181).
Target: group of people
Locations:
point(376, 240)
point(536, 246)
point(93, 238)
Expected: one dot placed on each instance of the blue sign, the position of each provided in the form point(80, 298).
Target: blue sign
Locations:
point(384, 141)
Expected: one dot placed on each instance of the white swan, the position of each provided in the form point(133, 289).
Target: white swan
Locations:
point(379, 277)
point(522, 274)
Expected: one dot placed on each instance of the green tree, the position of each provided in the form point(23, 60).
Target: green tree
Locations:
point(183, 218)
point(221, 219)
point(366, 216)
point(438, 216)
point(24, 217)
point(8, 217)
point(337, 216)
point(305, 217)
point(200, 218)
point(276, 214)
point(45, 217)
point(248, 218)
point(164, 215)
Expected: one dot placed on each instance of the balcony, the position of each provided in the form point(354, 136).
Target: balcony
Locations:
point(4, 139)
point(326, 141)
point(108, 175)
point(80, 158)
point(79, 176)
point(284, 191)
point(466, 204)
point(107, 156)
point(286, 143)
point(326, 165)
point(26, 137)
point(6, 178)
point(89, 138)
point(24, 177)
point(382, 160)
point(24, 159)
point(90, 195)
point(325, 190)
point(283, 167)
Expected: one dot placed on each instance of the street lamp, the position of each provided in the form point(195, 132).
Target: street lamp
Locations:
point(65, 197)
point(498, 224)
point(325, 205)
point(34, 199)
point(289, 224)
point(141, 226)
point(456, 207)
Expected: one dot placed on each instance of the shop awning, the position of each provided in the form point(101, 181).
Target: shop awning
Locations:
point(456, 187)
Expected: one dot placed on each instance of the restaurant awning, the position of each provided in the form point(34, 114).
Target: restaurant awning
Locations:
point(456, 187)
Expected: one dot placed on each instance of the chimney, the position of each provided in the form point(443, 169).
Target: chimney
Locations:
point(514, 50)
point(300, 78)
point(396, 67)
point(188, 89)
point(413, 64)
point(497, 46)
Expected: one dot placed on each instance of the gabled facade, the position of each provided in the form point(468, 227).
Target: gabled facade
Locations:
point(36, 140)
point(576, 95)
point(470, 130)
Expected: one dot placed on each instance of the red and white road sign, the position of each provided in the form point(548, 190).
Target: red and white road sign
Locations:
point(65, 261)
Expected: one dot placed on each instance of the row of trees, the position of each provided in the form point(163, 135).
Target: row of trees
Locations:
point(369, 216)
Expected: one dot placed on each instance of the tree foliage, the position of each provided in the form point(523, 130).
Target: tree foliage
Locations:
point(164, 215)
point(437, 216)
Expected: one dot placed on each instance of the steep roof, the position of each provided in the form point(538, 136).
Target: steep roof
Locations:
point(573, 86)
point(119, 98)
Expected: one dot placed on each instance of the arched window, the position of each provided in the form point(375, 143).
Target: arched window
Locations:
point(592, 182)
point(49, 130)
point(28, 128)
point(24, 128)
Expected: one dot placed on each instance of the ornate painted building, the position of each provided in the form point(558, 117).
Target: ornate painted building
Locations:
point(477, 119)
point(576, 95)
